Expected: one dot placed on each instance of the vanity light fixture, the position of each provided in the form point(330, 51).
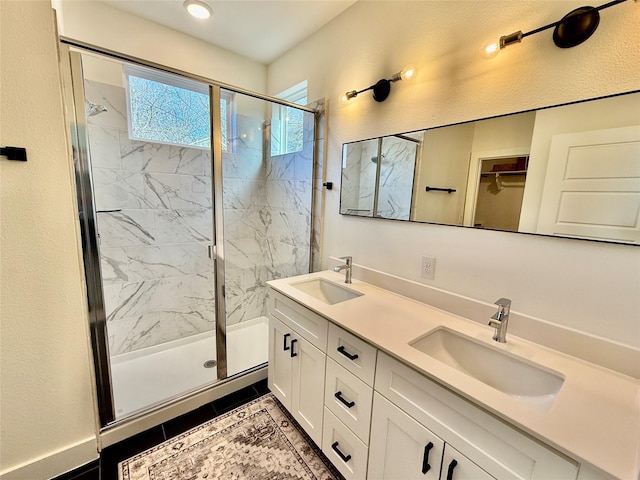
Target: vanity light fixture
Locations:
point(571, 30)
point(382, 87)
point(198, 9)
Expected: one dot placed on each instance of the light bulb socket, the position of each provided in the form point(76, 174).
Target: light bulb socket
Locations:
point(349, 95)
point(506, 40)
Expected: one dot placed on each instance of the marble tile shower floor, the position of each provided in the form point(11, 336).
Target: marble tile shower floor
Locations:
point(150, 376)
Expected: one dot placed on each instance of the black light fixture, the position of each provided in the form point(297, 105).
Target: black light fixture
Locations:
point(571, 30)
point(382, 87)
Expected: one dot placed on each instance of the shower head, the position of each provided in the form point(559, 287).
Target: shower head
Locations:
point(93, 109)
point(374, 159)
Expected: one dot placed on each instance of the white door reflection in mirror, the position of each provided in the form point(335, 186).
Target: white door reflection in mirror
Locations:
point(592, 187)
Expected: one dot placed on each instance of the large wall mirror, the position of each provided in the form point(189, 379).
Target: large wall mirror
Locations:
point(571, 170)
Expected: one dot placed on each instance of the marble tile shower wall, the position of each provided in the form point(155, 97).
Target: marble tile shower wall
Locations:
point(267, 208)
point(396, 178)
point(396, 164)
point(359, 178)
point(158, 279)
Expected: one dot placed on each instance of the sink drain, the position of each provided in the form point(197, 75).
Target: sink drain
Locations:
point(210, 364)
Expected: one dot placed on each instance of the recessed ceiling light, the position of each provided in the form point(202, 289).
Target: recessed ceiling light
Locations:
point(198, 9)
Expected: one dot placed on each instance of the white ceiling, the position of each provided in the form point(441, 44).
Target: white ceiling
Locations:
point(261, 30)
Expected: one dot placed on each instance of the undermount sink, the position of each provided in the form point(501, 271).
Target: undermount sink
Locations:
point(525, 381)
point(326, 291)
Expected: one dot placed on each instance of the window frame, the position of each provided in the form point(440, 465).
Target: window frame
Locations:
point(185, 84)
point(279, 112)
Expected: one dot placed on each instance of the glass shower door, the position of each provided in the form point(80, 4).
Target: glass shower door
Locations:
point(183, 221)
point(266, 206)
point(150, 171)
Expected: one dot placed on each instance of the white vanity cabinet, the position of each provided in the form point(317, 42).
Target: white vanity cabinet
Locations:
point(376, 418)
point(348, 400)
point(401, 448)
point(483, 446)
point(296, 372)
point(456, 466)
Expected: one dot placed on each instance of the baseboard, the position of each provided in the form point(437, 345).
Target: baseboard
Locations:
point(55, 463)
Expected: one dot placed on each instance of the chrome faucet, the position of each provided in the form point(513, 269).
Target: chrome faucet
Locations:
point(347, 267)
point(500, 320)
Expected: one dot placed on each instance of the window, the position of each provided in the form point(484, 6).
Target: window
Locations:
point(166, 108)
point(287, 123)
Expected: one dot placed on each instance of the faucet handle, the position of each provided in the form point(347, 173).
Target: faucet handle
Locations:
point(348, 259)
point(503, 303)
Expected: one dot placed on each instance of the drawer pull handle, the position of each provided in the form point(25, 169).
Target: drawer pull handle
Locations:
point(452, 465)
point(345, 458)
point(347, 354)
point(293, 342)
point(339, 396)
point(425, 458)
point(284, 347)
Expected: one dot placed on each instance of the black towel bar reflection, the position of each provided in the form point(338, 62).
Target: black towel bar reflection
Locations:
point(438, 189)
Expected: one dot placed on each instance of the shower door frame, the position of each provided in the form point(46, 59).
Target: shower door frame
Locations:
point(73, 80)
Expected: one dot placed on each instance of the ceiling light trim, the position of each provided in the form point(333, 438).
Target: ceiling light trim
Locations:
point(198, 9)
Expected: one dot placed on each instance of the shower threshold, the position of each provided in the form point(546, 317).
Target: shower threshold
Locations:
point(152, 375)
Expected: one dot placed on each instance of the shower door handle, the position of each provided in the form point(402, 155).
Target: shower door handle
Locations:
point(212, 252)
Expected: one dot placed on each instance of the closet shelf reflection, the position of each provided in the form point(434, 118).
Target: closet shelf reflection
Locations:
point(505, 172)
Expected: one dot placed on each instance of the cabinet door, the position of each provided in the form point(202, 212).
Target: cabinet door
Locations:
point(456, 466)
point(307, 388)
point(280, 361)
point(401, 448)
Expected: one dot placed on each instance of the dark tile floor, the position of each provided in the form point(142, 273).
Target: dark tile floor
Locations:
point(106, 468)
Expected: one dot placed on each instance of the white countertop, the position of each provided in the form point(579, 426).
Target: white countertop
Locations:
point(595, 417)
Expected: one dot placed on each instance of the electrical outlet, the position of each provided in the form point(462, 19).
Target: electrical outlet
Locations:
point(428, 267)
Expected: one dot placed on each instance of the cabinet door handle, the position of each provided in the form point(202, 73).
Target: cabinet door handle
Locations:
point(452, 465)
point(339, 396)
point(347, 354)
point(293, 342)
point(345, 458)
point(425, 458)
point(284, 347)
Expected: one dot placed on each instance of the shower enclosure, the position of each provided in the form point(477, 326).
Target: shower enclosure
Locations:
point(185, 212)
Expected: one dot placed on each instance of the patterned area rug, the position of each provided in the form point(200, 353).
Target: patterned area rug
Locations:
point(258, 441)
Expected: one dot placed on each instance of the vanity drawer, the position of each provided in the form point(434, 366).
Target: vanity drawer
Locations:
point(349, 399)
point(352, 353)
point(311, 326)
point(497, 448)
point(343, 448)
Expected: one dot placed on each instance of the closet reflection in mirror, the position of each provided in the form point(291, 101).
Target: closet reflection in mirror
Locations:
point(571, 170)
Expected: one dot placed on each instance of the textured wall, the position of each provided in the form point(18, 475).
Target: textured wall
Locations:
point(98, 24)
point(549, 278)
point(46, 405)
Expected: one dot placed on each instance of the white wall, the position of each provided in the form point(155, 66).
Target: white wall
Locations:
point(46, 403)
point(98, 24)
point(549, 278)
